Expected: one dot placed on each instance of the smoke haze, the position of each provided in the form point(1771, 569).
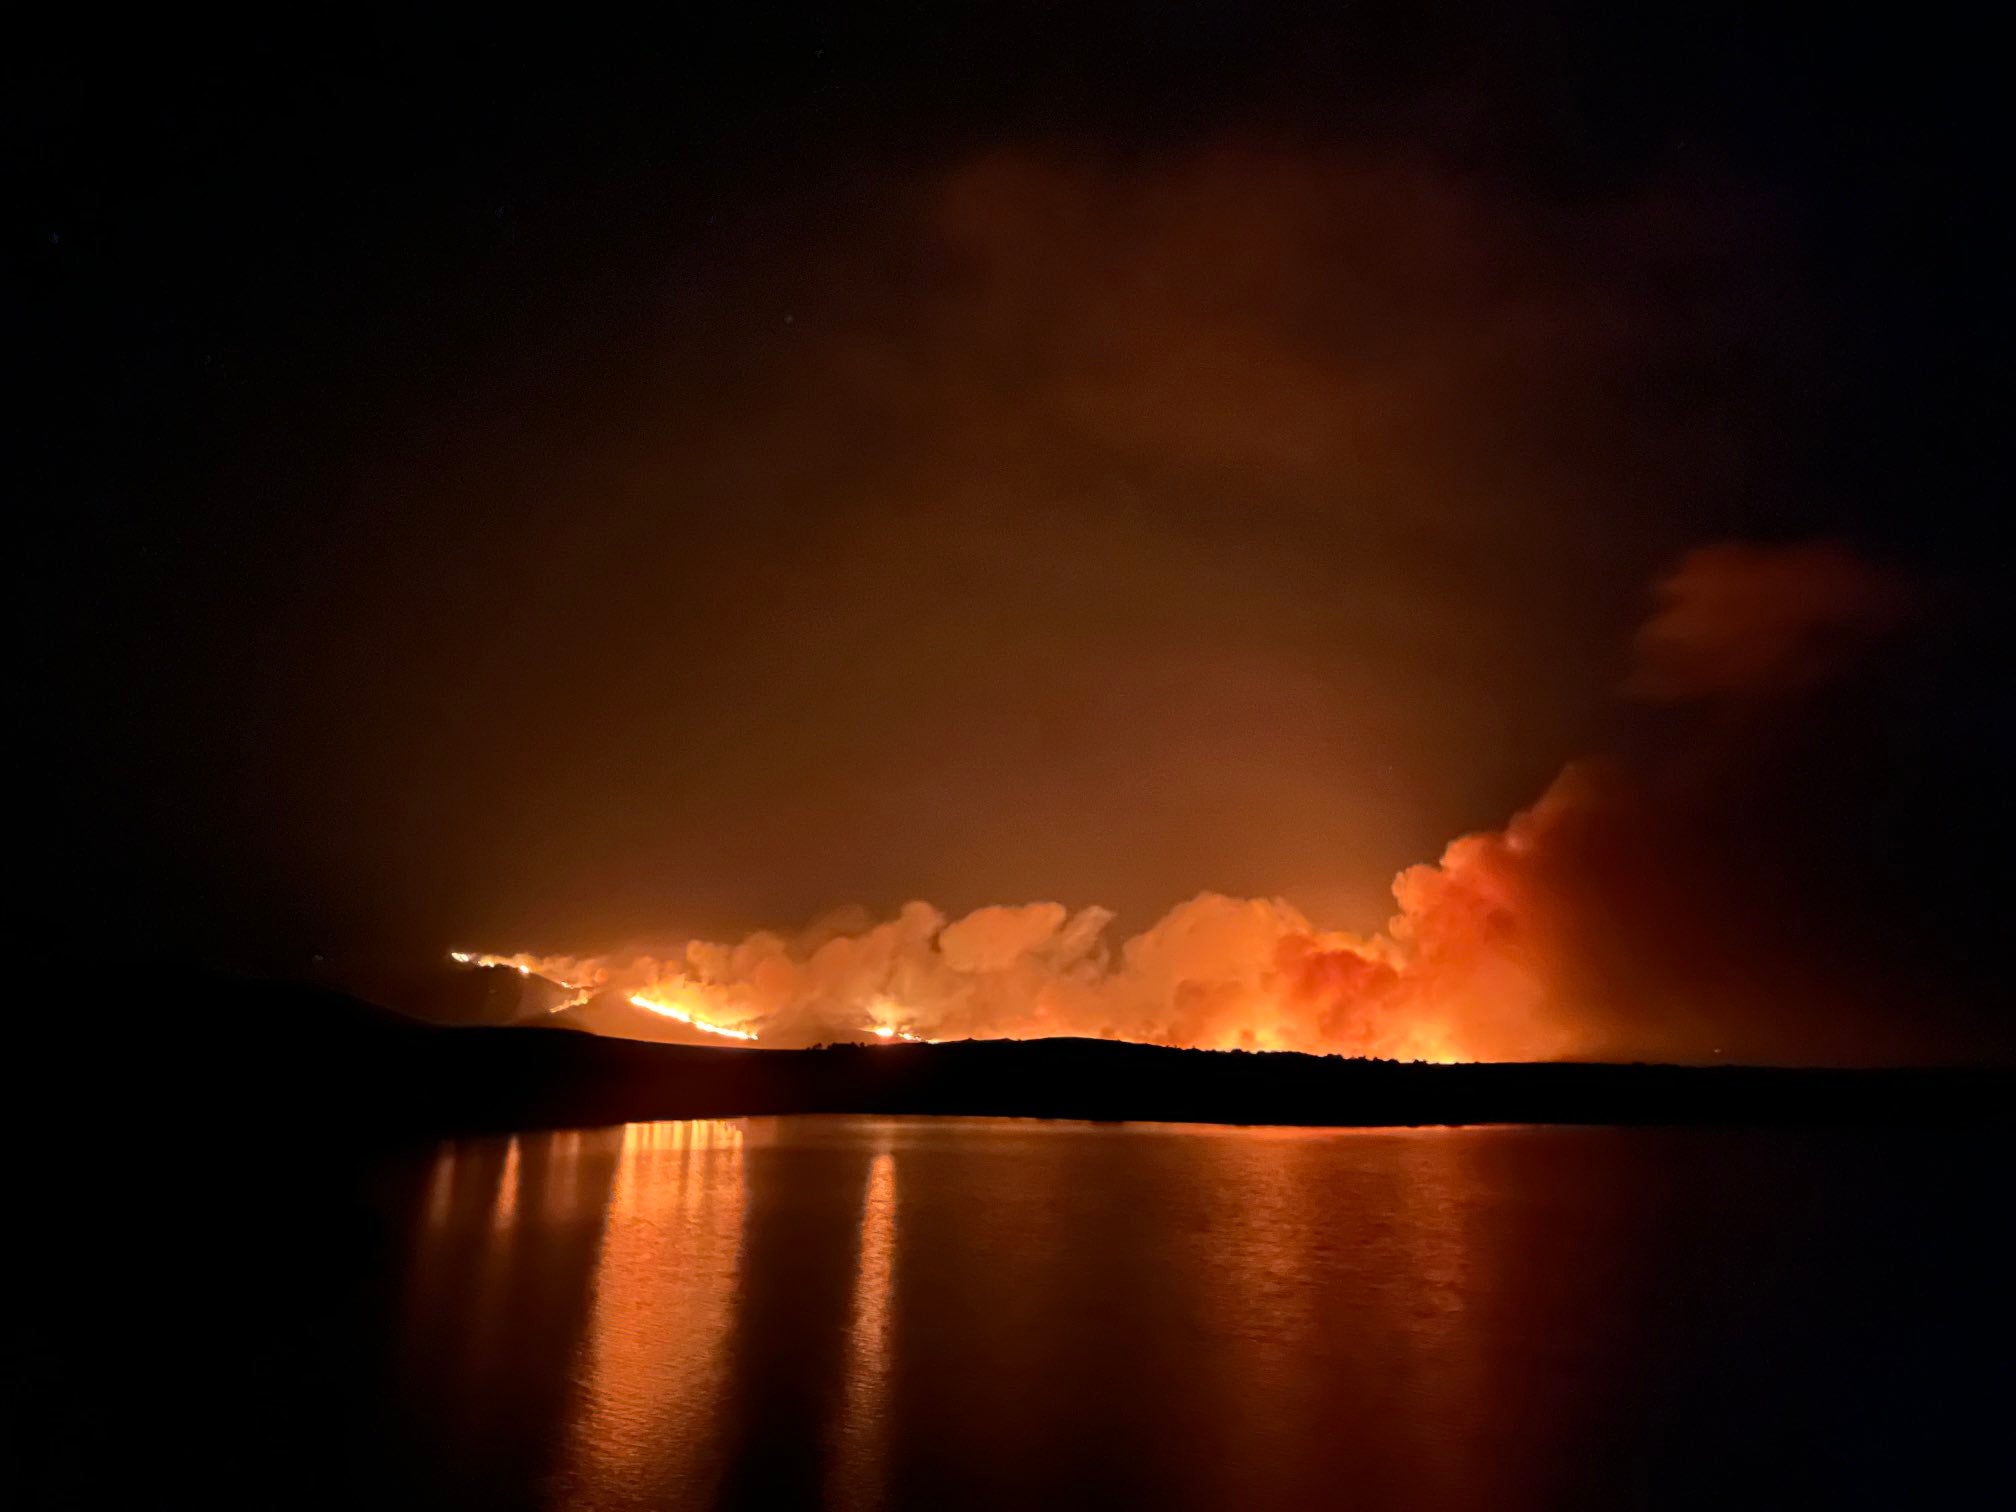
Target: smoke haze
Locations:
point(1189, 473)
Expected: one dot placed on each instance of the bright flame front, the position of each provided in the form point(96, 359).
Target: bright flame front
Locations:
point(675, 1012)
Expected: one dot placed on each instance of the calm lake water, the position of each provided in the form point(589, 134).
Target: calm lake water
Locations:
point(913, 1313)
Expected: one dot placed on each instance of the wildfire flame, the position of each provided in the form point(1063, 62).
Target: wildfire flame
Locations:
point(674, 1011)
point(656, 1000)
point(562, 974)
point(1216, 973)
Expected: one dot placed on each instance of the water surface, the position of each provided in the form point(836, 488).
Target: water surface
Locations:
point(926, 1313)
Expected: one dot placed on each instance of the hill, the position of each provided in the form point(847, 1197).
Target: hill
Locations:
point(230, 1049)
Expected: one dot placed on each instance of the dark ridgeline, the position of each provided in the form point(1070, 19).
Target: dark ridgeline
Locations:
point(232, 1047)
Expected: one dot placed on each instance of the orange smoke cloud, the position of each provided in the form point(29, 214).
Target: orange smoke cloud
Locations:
point(1445, 983)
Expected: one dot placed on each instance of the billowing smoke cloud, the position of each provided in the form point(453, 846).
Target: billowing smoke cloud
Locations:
point(1610, 918)
point(1216, 972)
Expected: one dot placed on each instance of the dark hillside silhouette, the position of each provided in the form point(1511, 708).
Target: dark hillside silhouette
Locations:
point(226, 1049)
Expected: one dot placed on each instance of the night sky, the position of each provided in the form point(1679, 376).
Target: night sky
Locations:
point(573, 488)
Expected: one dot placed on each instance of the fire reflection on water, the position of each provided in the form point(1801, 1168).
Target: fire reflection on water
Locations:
point(693, 1300)
point(440, 1189)
point(863, 1430)
point(506, 1212)
point(664, 1286)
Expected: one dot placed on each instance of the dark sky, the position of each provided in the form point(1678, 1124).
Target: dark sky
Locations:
point(564, 487)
